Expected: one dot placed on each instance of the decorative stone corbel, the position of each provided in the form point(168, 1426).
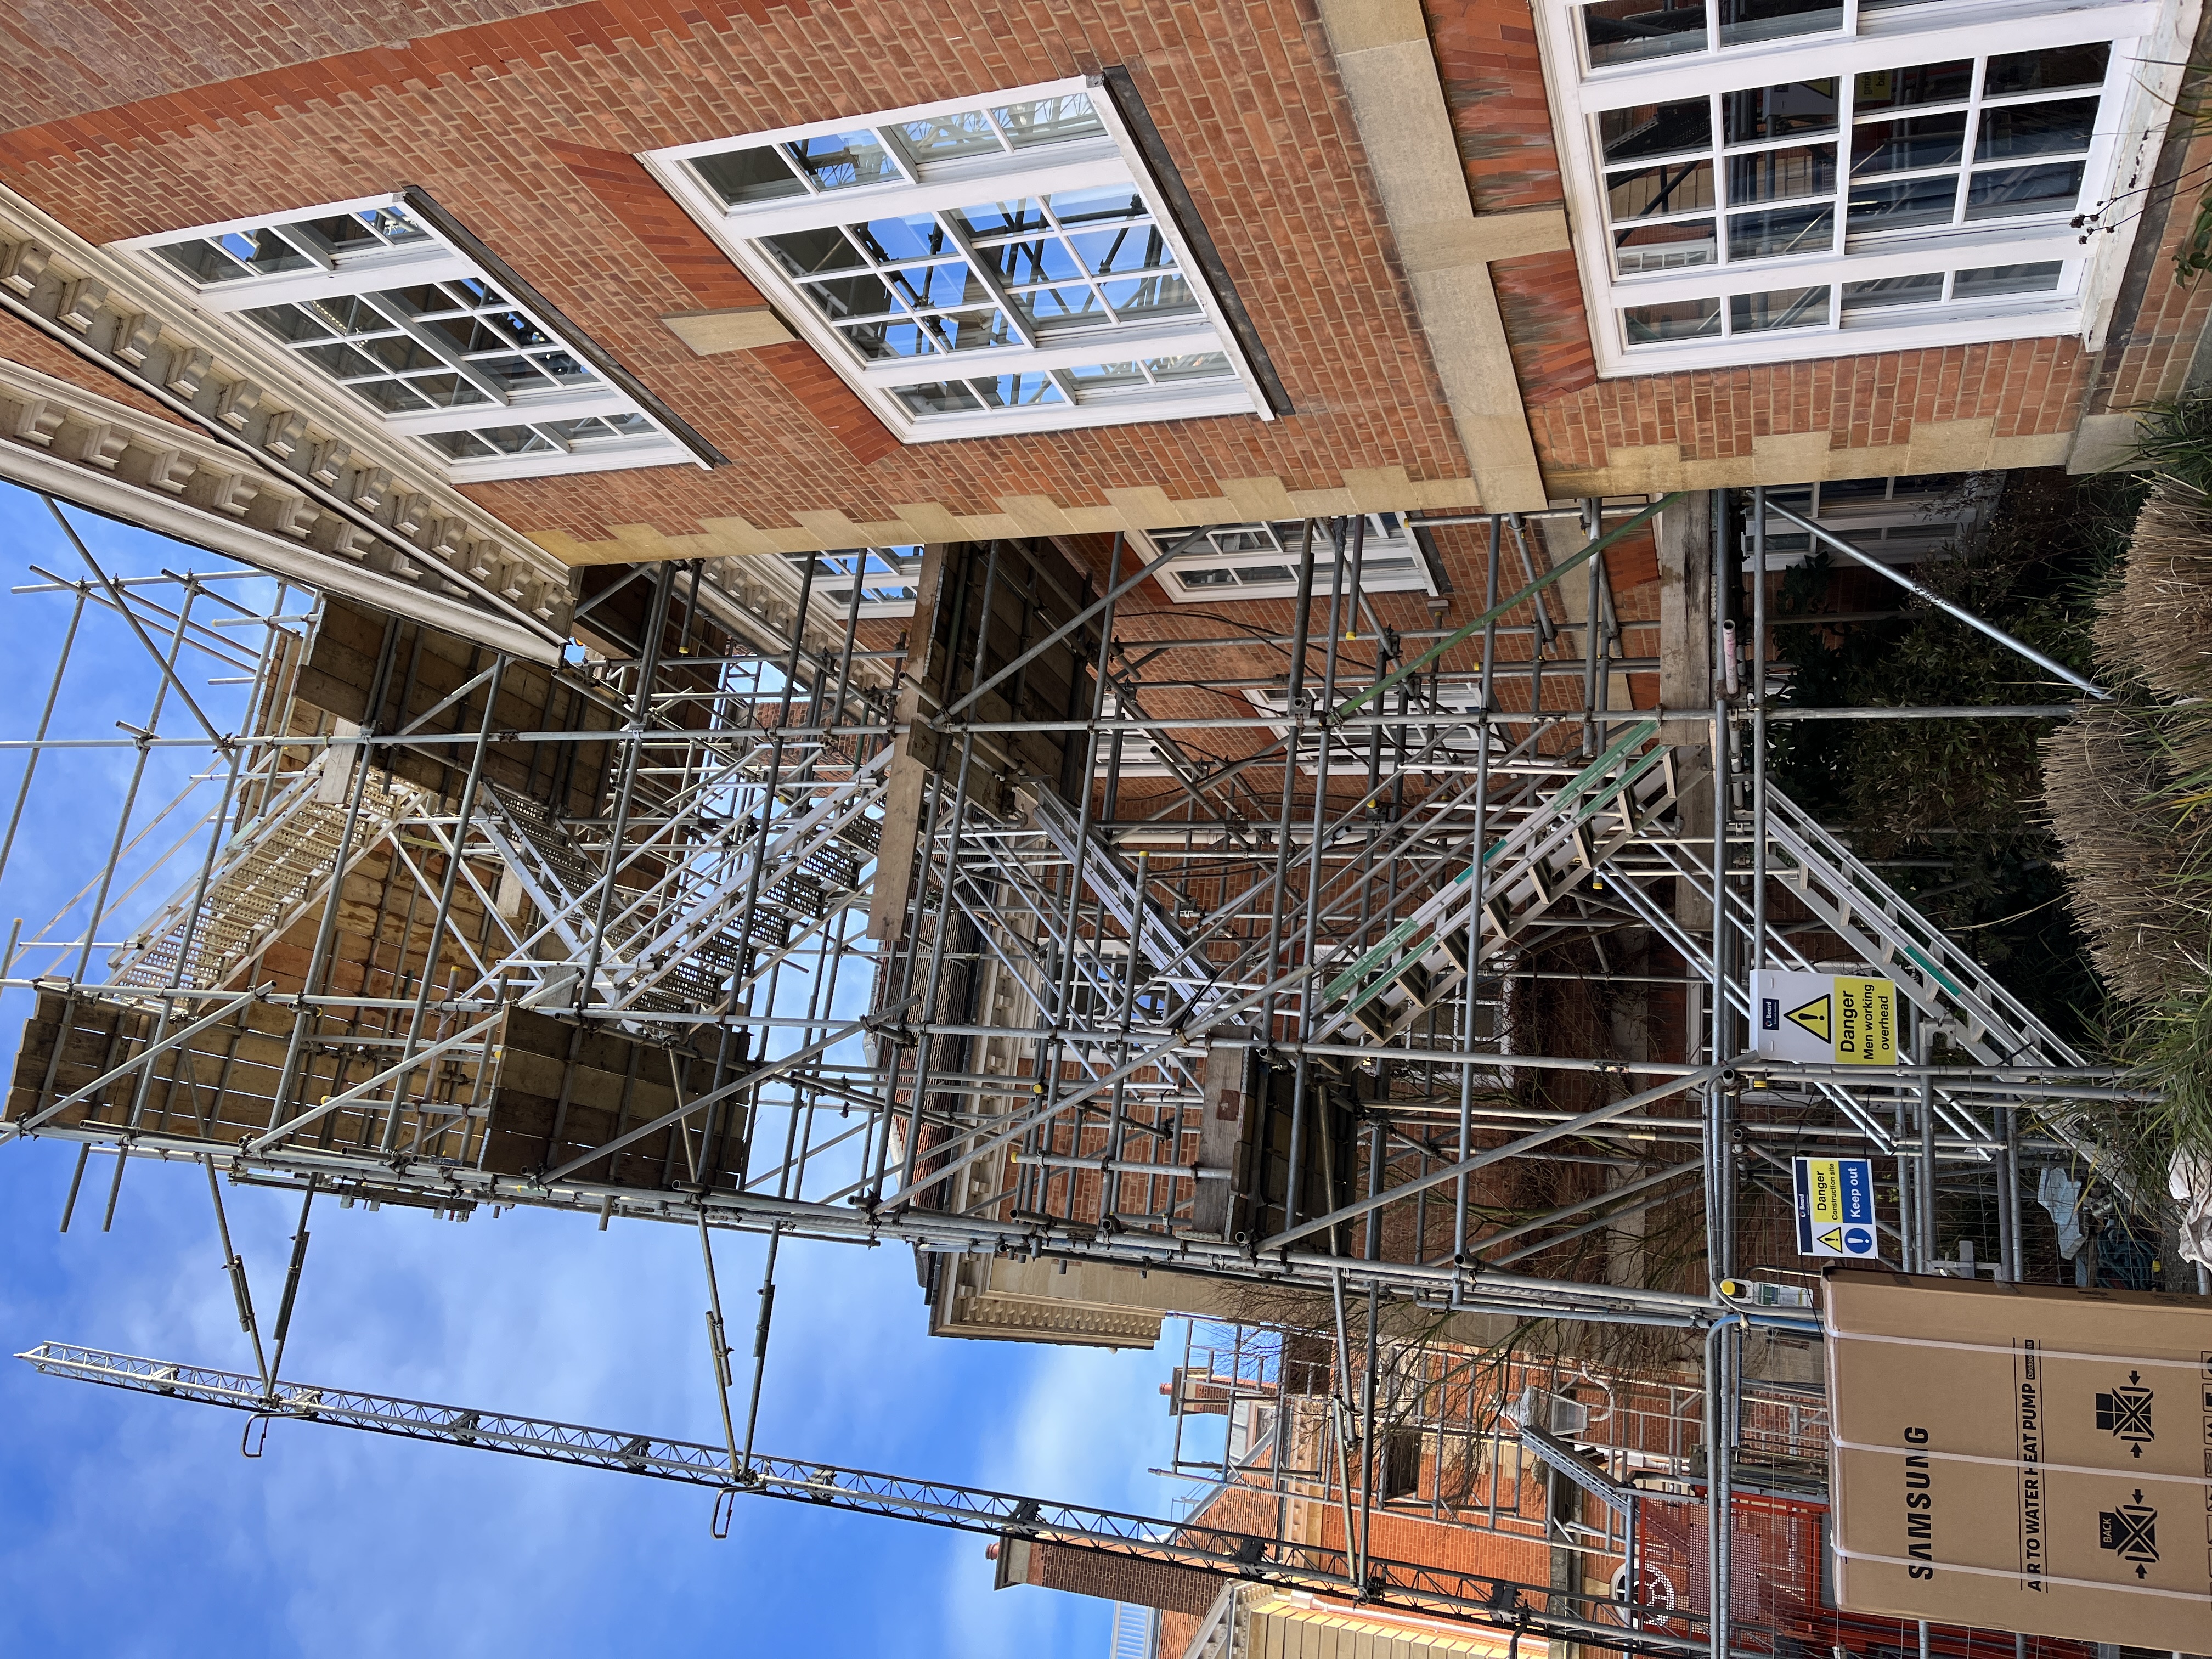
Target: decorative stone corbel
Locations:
point(37, 419)
point(347, 540)
point(98, 444)
point(292, 515)
point(285, 430)
point(188, 366)
point(165, 470)
point(80, 304)
point(237, 404)
point(327, 463)
point(135, 337)
point(221, 491)
point(22, 265)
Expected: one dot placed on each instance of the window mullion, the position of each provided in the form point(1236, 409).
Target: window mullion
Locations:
point(305, 246)
point(1847, 150)
point(1970, 141)
point(989, 277)
point(892, 142)
point(431, 341)
point(1717, 152)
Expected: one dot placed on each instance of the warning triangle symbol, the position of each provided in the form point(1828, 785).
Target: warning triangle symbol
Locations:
point(1833, 1238)
point(1812, 1016)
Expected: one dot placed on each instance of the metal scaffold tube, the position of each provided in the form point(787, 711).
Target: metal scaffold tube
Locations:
point(1004, 922)
point(1439, 1591)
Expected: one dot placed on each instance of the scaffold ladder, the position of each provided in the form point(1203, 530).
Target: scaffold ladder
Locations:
point(269, 875)
point(1875, 922)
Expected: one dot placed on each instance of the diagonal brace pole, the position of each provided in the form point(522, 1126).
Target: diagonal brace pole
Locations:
point(291, 1126)
point(1460, 636)
point(174, 1039)
point(750, 1079)
point(1526, 1144)
point(1829, 536)
point(129, 615)
point(1065, 629)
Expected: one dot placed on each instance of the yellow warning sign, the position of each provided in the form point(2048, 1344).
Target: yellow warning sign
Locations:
point(1865, 1031)
point(1837, 1019)
point(1814, 1016)
point(1824, 1189)
point(1833, 1238)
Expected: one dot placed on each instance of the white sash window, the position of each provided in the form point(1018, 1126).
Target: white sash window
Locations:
point(1765, 180)
point(369, 297)
point(990, 265)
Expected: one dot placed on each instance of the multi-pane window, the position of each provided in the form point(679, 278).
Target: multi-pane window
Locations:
point(1761, 172)
point(371, 298)
point(1140, 755)
point(1901, 520)
point(1440, 733)
point(886, 576)
point(1260, 561)
point(993, 265)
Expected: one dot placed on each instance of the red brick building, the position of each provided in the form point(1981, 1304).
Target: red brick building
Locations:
point(1380, 256)
point(1461, 1490)
point(432, 307)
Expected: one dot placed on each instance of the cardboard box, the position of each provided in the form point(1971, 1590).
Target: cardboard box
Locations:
point(2022, 1457)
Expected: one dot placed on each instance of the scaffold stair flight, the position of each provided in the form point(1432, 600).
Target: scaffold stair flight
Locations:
point(1872, 919)
point(1567, 836)
point(688, 919)
point(1161, 946)
point(272, 871)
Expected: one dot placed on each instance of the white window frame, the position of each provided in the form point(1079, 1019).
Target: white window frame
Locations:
point(1141, 751)
point(2131, 121)
point(377, 269)
point(885, 572)
point(1905, 524)
point(1457, 731)
point(1389, 538)
point(1112, 159)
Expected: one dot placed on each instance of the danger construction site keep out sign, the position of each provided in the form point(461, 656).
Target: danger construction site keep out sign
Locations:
point(1847, 1019)
point(1835, 1206)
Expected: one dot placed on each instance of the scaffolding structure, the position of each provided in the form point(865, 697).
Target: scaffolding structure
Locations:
point(972, 930)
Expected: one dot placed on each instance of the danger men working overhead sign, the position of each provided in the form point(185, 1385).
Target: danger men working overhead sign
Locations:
point(1847, 1019)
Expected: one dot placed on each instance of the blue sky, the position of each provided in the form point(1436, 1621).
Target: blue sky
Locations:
point(132, 1526)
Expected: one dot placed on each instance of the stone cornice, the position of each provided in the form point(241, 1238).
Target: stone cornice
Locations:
point(62, 440)
point(251, 441)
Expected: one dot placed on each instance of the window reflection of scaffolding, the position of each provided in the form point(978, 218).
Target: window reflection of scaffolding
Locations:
point(885, 576)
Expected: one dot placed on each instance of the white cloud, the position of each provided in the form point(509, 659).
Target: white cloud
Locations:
point(130, 1525)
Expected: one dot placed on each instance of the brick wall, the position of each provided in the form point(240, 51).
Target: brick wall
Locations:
point(2026, 387)
point(1486, 56)
point(58, 60)
point(2147, 356)
point(1122, 1578)
point(523, 120)
point(496, 117)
